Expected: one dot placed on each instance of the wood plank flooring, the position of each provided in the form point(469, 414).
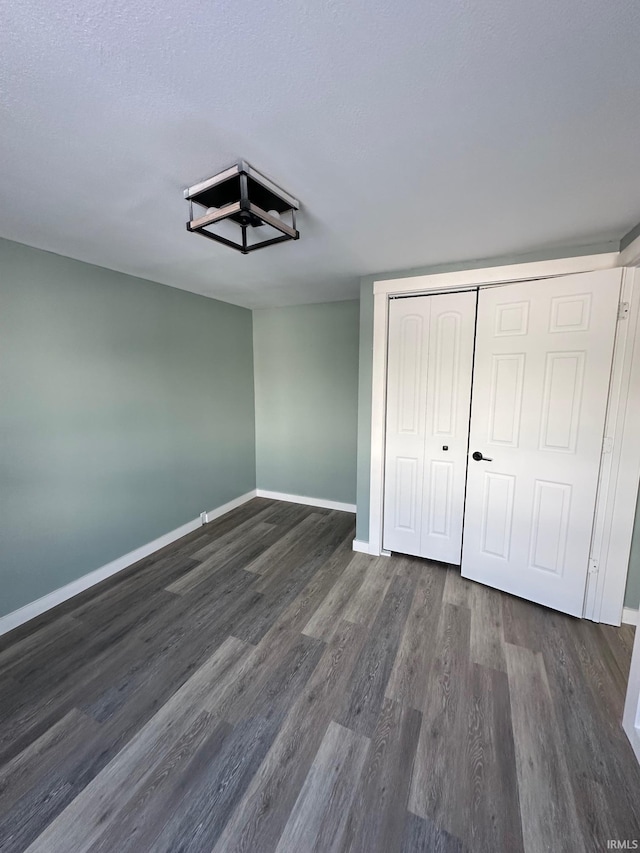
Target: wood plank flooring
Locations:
point(256, 686)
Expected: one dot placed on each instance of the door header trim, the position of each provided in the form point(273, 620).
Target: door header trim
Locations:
point(467, 279)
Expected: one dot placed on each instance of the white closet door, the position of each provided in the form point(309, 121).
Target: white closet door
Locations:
point(428, 399)
point(540, 387)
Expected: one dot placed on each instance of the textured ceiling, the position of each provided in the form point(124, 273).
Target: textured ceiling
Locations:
point(413, 133)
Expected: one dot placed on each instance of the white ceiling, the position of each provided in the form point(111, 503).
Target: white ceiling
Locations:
point(416, 132)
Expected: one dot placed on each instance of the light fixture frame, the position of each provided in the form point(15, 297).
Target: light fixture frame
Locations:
point(244, 212)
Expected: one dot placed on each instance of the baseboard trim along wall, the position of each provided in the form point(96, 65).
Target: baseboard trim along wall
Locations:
point(63, 593)
point(365, 548)
point(212, 514)
point(299, 499)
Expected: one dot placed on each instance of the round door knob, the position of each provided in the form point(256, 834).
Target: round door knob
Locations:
point(479, 457)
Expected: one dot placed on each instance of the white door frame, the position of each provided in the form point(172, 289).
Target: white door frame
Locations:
point(630, 257)
point(620, 476)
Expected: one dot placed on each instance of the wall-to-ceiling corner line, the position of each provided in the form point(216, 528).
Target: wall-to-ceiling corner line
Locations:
point(629, 237)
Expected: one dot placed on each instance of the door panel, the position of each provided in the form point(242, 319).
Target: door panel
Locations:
point(505, 408)
point(406, 495)
point(428, 400)
point(497, 514)
point(540, 387)
point(440, 482)
point(406, 416)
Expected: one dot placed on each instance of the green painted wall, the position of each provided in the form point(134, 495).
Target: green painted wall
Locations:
point(632, 593)
point(127, 409)
point(306, 385)
point(632, 597)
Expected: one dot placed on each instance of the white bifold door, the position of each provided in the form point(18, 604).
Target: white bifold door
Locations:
point(430, 360)
point(540, 387)
point(492, 459)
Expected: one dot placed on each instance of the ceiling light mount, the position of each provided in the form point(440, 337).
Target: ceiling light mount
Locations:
point(245, 197)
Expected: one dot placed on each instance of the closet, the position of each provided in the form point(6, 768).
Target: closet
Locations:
point(495, 415)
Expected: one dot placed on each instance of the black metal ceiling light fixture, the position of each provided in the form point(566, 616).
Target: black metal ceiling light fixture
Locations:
point(243, 196)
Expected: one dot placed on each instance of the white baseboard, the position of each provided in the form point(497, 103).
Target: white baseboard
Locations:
point(299, 499)
point(365, 548)
point(212, 514)
point(63, 593)
point(630, 616)
point(633, 733)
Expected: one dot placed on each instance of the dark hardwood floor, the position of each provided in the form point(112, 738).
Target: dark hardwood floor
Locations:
point(257, 686)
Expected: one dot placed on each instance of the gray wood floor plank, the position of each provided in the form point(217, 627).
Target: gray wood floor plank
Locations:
point(619, 642)
point(411, 670)
point(371, 675)
point(116, 598)
point(129, 620)
point(55, 638)
point(80, 824)
point(209, 803)
point(364, 605)
point(37, 713)
point(233, 536)
point(142, 815)
point(422, 836)
point(33, 811)
point(426, 713)
point(587, 737)
point(329, 611)
point(245, 688)
point(197, 612)
point(274, 688)
point(606, 673)
point(376, 821)
point(439, 780)
point(547, 804)
point(625, 636)
point(222, 556)
point(280, 590)
point(491, 818)
point(284, 513)
point(521, 622)
point(261, 815)
point(487, 635)
point(297, 555)
point(458, 590)
point(271, 558)
point(298, 613)
point(319, 817)
point(47, 753)
point(308, 554)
